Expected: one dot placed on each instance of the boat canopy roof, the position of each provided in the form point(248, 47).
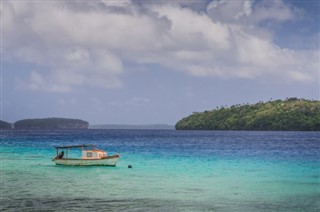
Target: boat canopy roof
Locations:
point(75, 146)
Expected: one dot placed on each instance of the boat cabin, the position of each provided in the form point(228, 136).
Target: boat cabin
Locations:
point(93, 154)
point(87, 154)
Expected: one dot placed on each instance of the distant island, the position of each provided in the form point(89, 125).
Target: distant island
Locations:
point(50, 123)
point(5, 125)
point(66, 123)
point(292, 114)
point(133, 127)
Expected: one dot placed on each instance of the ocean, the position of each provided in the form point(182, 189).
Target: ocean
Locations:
point(171, 171)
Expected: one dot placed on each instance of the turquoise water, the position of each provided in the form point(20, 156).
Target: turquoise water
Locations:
point(172, 171)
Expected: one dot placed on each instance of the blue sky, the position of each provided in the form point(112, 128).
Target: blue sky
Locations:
point(146, 62)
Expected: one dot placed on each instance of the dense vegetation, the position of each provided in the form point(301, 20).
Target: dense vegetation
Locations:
point(291, 114)
point(5, 125)
point(51, 123)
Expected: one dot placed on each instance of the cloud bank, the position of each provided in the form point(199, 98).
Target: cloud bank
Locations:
point(78, 43)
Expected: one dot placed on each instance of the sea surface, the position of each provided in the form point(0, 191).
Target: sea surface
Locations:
point(172, 171)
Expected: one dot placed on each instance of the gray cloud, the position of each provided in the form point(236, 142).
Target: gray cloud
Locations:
point(90, 43)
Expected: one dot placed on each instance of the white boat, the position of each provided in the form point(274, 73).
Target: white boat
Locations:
point(90, 157)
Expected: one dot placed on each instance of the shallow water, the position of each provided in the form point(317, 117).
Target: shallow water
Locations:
point(172, 171)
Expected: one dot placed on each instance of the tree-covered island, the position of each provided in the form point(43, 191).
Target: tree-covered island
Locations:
point(50, 123)
point(5, 125)
point(292, 114)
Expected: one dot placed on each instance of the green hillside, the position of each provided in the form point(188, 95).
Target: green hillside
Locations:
point(5, 125)
point(289, 115)
point(51, 123)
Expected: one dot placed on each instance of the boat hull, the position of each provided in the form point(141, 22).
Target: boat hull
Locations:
point(107, 161)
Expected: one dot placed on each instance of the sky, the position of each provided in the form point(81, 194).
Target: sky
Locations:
point(152, 62)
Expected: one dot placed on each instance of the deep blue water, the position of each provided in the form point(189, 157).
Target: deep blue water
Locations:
point(172, 171)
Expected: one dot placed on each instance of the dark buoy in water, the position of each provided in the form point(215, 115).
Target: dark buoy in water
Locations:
point(130, 167)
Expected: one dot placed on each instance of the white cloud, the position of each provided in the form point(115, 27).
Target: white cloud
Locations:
point(275, 11)
point(298, 76)
point(251, 12)
point(229, 11)
point(90, 43)
point(38, 82)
